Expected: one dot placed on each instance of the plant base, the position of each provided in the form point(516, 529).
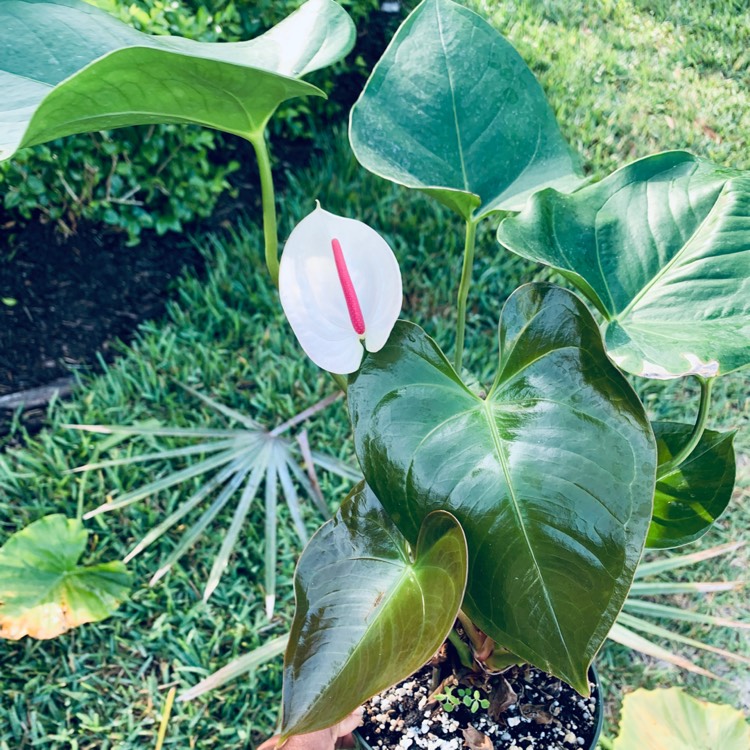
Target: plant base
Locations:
point(529, 710)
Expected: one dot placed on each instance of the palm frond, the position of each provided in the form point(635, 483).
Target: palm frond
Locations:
point(637, 608)
point(232, 464)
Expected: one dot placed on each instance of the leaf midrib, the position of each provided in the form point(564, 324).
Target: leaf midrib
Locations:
point(453, 98)
point(502, 458)
point(676, 258)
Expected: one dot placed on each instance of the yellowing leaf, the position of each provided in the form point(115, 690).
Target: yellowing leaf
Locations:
point(44, 592)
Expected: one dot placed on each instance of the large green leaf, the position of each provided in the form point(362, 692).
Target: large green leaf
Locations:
point(67, 67)
point(43, 591)
point(551, 475)
point(672, 720)
point(691, 497)
point(662, 248)
point(452, 109)
point(370, 611)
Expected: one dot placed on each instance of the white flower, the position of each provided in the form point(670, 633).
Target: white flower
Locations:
point(340, 288)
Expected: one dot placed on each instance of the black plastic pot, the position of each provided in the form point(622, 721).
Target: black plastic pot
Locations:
point(362, 744)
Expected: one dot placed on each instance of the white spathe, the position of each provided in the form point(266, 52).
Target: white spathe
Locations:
point(312, 289)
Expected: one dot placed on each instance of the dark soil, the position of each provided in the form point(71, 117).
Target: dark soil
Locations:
point(529, 710)
point(62, 301)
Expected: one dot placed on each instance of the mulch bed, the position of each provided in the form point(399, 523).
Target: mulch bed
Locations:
point(62, 301)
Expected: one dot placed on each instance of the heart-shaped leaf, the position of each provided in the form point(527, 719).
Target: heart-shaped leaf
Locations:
point(672, 720)
point(691, 497)
point(369, 610)
point(67, 67)
point(662, 248)
point(452, 109)
point(44, 592)
point(551, 475)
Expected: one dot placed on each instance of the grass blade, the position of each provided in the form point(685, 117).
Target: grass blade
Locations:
point(663, 565)
point(166, 713)
point(169, 481)
point(237, 668)
point(636, 623)
point(290, 493)
point(185, 508)
point(623, 636)
point(240, 513)
point(676, 613)
point(191, 535)
point(270, 541)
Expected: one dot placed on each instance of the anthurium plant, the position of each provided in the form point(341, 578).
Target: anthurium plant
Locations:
point(507, 517)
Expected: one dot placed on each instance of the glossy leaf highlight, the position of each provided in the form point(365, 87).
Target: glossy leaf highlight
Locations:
point(689, 499)
point(453, 110)
point(369, 610)
point(43, 590)
point(555, 523)
point(67, 67)
point(662, 248)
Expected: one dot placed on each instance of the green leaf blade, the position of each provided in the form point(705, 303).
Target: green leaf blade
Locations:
point(67, 67)
point(368, 613)
point(552, 550)
point(452, 109)
point(689, 500)
point(43, 590)
point(662, 247)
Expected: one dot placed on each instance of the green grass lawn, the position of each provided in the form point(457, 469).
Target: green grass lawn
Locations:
point(626, 78)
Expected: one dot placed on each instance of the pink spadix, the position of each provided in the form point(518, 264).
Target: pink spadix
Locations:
point(350, 293)
point(340, 287)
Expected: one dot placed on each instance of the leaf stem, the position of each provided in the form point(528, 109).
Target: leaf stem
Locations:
point(340, 380)
point(463, 292)
point(695, 437)
point(463, 651)
point(268, 198)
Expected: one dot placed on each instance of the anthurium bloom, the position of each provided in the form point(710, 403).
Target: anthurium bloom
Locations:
point(340, 287)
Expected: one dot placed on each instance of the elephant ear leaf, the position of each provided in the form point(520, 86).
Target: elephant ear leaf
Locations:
point(67, 67)
point(662, 248)
point(370, 610)
point(672, 720)
point(43, 590)
point(453, 110)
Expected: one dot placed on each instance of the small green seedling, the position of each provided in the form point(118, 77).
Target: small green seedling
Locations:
point(447, 700)
point(471, 699)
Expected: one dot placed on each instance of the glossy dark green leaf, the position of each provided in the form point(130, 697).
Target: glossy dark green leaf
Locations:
point(690, 498)
point(67, 67)
point(452, 109)
point(662, 248)
point(43, 590)
point(551, 476)
point(370, 611)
